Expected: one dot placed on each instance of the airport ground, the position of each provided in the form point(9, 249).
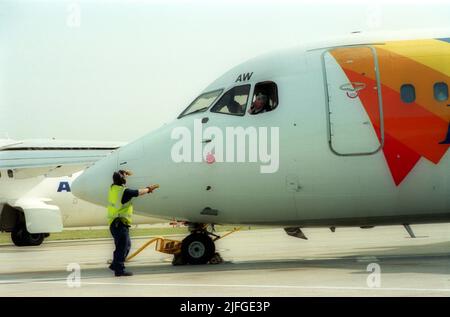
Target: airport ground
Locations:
point(264, 262)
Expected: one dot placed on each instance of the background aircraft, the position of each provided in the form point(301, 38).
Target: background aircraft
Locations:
point(35, 197)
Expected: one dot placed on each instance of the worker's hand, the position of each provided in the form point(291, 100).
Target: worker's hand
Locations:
point(151, 188)
point(128, 172)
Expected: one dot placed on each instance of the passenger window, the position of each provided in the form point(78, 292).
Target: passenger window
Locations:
point(234, 101)
point(265, 98)
point(408, 93)
point(10, 174)
point(440, 91)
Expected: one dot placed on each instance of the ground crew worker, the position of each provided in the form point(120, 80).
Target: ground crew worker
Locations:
point(120, 210)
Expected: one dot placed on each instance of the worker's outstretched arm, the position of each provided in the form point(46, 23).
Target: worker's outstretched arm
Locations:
point(148, 189)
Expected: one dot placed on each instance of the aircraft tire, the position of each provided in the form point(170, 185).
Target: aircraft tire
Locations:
point(35, 239)
point(197, 248)
point(17, 237)
point(21, 237)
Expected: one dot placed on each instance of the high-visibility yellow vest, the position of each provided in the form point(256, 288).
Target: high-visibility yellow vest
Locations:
point(116, 208)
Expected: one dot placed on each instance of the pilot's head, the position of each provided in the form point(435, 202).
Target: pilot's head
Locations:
point(234, 107)
point(261, 101)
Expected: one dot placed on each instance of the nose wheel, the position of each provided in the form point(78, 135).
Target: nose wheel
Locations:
point(197, 248)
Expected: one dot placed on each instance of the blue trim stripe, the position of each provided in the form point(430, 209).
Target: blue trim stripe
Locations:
point(445, 40)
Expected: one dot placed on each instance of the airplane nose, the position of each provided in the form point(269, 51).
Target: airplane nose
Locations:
point(93, 184)
point(79, 186)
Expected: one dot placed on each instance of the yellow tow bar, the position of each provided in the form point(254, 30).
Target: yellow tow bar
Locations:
point(169, 246)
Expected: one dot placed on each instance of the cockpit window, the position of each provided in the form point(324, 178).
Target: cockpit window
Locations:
point(201, 103)
point(234, 101)
point(265, 98)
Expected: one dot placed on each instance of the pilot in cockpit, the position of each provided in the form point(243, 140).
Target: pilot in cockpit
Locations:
point(260, 105)
point(235, 107)
point(232, 105)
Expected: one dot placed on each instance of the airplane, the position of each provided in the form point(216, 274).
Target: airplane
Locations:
point(35, 199)
point(355, 133)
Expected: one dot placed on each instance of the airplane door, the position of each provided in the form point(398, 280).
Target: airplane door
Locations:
point(354, 107)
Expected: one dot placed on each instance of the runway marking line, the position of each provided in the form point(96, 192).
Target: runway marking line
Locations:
point(63, 281)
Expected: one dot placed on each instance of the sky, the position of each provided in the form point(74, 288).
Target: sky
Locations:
point(113, 70)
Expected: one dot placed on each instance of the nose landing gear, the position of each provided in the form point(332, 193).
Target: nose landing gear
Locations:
point(196, 248)
point(199, 247)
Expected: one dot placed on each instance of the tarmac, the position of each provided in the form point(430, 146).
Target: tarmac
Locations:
point(383, 261)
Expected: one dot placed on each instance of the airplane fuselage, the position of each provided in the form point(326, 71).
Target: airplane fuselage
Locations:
point(360, 133)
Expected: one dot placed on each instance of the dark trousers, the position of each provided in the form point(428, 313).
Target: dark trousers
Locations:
point(122, 241)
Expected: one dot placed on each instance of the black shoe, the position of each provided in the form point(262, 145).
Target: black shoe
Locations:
point(123, 273)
